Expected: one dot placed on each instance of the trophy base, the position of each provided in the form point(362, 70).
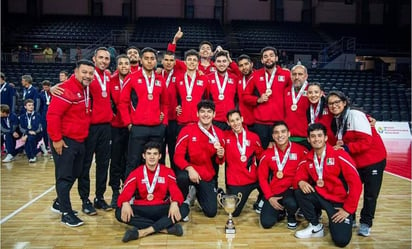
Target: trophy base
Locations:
point(230, 230)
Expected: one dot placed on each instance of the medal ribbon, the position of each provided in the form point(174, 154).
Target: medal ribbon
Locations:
point(295, 98)
point(319, 167)
point(339, 134)
point(219, 86)
point(189, 86)
point(101, 83)
point(269, 82)
point(47, 97)
point(3, 86)
point(150, 85)
point(241, 148)
point(29, 119)
point(150, 187)
point(86, 98)
point(281, 165)
point(314, 113)
point(212, 138)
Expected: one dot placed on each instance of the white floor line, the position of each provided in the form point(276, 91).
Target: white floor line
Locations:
point(405, 178)
point(25, 206)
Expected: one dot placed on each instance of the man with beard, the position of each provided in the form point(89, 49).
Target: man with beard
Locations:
point(296, 104)
point(245, 65)
point(265, 92)
point(120, 133)
point(133, 54)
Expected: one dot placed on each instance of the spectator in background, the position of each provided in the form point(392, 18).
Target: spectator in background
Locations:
point(59, 54)
point(79, 55)
point(314, 63)
point(48, 54)
point(45, 98)
point(283, 59)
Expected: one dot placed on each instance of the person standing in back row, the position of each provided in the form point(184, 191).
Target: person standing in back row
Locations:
point(98, 141)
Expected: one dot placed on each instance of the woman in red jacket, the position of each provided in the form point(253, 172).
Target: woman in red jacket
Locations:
point(355, 135)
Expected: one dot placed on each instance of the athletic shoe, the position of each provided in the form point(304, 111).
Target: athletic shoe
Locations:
point(115, 196)
point(8, 158)
point(311, 231)
point(88, 208)
point(364, 230)
point(292, 225)
point(258, 206)
point(131, 234)
point(43, 149)
point(32, 160)
point(56, 208)
point(101, 204)
point(186, 219)
point(282, 215)
point(176, 229)
point(190, 198)
point(71, 220)
point(354, 225)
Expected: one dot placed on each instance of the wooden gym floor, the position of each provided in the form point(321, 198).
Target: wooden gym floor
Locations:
point(27, 192)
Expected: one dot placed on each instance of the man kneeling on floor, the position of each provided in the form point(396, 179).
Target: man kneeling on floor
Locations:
point(157, 203)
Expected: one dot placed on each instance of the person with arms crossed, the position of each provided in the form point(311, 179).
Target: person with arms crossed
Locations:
point(276, 172)
point(199, 150)
point(327, 179)
point(69, 117)
point(355, 135)
point(151, 200)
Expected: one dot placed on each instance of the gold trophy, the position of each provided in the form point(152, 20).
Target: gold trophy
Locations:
point(229, 203)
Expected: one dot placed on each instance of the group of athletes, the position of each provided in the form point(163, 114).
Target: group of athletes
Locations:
point(270, 128)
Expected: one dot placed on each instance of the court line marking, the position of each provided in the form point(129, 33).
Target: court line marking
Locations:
point(405, 178)
point(26, 205)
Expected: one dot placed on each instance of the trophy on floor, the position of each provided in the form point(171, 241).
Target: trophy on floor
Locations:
point(229, 203)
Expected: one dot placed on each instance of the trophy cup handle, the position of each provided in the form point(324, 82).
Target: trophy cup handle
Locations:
point(239, 198)
point(219, 200)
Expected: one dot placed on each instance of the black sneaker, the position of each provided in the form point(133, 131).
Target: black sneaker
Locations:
point(176, 229)
point(88, 208)
point(132, 234)
point(71, 220)
point(101, 204)
point(113, 203)
point(56, 208)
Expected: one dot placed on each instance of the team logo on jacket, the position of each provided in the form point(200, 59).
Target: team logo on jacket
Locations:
point(261, 78)
point(230, 81)
point(199, 82)
point(281, 78)
point(180, 83)
point(173, 79)
point(330, 161)
point(213, 81)
point(310, 165)
point(79, 95)
point(293, 156)
point(161, 179)
point(116, 88)
point(194, 139)
point(139, 81)
point(228, 141)
point(157, 83)
point(212, 69)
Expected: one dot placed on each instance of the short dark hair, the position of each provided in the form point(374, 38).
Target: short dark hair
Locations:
point(316, 127)
point(191, 52)
point(150, 50)
point(206, 104)
point(2, 76)
point(132, 47)
point(231, 112)
point(243, 57)
point(279, 123)
point(84, 62)
point(222, 53)
point(99, 49)
point(46, 83)
point(207, 43)
point(267, 49)
point(315, 84)
point(152, 145)
point(121, 56)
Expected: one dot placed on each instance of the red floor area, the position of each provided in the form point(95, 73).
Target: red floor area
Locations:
point(399, 157)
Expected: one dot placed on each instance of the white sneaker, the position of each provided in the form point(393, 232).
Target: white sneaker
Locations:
point(364, 230)
point(8, 158)
point(310, 231)
point(43, 149)
point(186, 219)
point(190, 198)
point(32, 160)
